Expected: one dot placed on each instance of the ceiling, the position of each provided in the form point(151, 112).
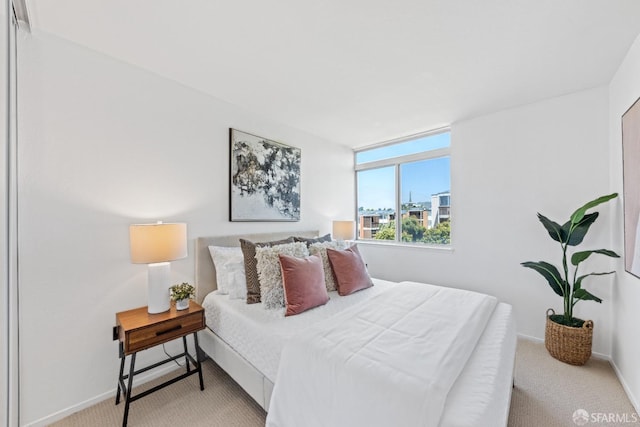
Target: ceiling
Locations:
point(358, 72)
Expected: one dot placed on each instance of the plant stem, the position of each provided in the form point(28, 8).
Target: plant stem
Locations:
point(567, 298)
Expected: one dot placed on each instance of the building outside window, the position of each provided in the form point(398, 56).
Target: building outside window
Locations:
point(409, 179)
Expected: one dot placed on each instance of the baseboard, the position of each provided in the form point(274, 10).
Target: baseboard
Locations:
point(111, 394)
point(625, 387)
point(541, 340)
point(530, 338)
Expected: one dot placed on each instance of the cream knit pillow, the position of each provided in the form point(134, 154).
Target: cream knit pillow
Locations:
point(271, 289)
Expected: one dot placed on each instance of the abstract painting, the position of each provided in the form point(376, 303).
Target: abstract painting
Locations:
point(265, 179)
point(631, 176)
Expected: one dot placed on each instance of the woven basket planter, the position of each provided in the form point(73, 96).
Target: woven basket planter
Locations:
point(568, 344)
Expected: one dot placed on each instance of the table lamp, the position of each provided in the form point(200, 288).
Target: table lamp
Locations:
point(156, 245)
point(344, 230)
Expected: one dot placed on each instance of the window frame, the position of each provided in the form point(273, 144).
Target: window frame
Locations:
point(397, 162)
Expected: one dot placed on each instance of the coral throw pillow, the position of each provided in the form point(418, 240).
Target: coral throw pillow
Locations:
point(349, 270)
point(303, 282)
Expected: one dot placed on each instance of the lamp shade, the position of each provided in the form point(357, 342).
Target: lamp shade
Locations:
point(151, 243)
point(344, 230)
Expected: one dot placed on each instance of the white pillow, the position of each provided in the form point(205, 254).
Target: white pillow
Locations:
point(270, 274)
point(226, 260)
point(320, 249)
point(237, 281)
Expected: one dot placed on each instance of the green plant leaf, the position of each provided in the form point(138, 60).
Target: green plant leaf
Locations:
point(550, 273)
point(577, 216)
point(578, 283)
point(556, 232)
point(581, 294)
point(580, 229)
point(578, 257)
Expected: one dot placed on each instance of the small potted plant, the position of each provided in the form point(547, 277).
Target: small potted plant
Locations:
point(568, 338)
point(181, 294)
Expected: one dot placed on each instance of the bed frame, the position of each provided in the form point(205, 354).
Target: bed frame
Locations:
point(244, 373)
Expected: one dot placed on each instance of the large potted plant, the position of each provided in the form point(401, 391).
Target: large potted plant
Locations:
point(568, 338)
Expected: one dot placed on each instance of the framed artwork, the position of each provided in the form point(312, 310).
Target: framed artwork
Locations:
point(265, 179)
point(631, 187)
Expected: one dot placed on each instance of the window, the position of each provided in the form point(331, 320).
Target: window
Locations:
point(409, 179)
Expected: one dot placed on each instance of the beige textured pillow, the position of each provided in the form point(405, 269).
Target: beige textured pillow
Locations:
point(320, 249)
point(269, 272)
point(250, 267)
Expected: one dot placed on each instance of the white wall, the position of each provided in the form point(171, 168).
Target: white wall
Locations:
point(548, 157)
point(623, 91)
point(104, 145)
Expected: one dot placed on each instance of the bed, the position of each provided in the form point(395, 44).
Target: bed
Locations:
point(248, 343)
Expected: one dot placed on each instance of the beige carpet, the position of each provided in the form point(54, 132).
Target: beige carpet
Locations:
point(222, 403)
point(546, 394)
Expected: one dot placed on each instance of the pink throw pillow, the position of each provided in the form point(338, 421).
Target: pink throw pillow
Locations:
point(303, 282)
point(349, 270)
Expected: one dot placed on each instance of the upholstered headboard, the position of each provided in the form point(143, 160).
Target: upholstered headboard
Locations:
point(205, 270)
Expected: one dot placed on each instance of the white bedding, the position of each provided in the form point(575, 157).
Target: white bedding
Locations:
point(259, 334)
point(479, 397)
point(391, 361)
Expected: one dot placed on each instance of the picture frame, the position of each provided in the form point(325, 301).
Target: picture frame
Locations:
point(264, 179)
point(631, 187)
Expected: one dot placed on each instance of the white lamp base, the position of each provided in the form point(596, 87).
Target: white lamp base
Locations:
point(158, 300)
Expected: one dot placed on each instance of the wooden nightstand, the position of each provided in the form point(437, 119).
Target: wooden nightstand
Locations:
point(138, 330)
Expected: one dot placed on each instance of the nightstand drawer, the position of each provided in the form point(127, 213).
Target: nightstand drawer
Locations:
point(158, 333)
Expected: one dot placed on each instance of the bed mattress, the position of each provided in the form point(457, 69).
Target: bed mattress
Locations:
point(479, 397)
point(482, 393)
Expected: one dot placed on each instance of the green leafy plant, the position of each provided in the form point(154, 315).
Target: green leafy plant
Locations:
point(182, 291)
point(568, 284)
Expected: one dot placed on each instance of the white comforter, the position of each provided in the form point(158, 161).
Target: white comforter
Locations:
point(389, 361)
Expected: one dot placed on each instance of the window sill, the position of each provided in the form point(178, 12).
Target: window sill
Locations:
point(417, 246)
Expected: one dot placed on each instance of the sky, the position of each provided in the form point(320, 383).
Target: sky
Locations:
point(376, 188)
